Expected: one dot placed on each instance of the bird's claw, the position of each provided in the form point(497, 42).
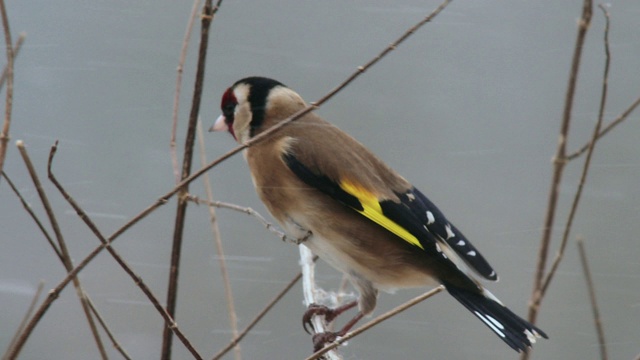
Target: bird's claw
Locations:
point(321, 339)
point(313, 310)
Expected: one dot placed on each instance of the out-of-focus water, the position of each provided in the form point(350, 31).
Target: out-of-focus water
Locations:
point(468, 109)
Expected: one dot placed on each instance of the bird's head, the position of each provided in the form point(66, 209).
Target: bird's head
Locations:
point(254, 104)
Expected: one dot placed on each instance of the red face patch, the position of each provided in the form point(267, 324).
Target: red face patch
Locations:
point(228, 106)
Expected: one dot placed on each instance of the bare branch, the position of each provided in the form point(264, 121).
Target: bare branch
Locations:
point(176, 99)
point(33, 215)
point(559, 161)
point(249, 211)
point(114, 342)
point(606, 129)
point(258, 317)
point(4, 133)
point(181, 211)
point(26, 317)
point(63, 251)
point(215, 230)
point(16, 51)
point(171, 324)
point(585, 169)
point(592, 297)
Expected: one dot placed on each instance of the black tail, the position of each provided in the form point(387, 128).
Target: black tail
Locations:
point(515, 331)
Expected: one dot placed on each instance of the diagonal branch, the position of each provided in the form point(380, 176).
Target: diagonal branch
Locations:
point(62, 247)
point(376, 321)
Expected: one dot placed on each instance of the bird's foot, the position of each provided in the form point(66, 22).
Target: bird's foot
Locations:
point(321, 339)
point(316, 309)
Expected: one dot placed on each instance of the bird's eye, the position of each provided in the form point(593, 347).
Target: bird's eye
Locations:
point(228, 110)
point(228, 105)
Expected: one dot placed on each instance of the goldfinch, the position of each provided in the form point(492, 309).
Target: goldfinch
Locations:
point(357, 213)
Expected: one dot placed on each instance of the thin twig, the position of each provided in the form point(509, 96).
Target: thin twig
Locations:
point(181, 210)
point(176, 99)
point(171, 324)
point(376, 321)
point(16, 51)
point(259, 317)
point(64, 252)
point(559, 161)
point(114, 342)
point(26, 317)
point(585, 168)
point(249, 211)
point(592, 297)
point(620, 118)
point(162, 200)
point(215, 230)
point(4, 133)
point(33, 215)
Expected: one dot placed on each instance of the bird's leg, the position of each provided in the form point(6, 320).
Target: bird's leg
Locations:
point(320, 339)
point(329, 314)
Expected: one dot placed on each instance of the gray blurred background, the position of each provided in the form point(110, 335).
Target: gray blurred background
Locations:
point(468, 109)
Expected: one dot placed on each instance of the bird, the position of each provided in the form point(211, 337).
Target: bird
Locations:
point(356, 213)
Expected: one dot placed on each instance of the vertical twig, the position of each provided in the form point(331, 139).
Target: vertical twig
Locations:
point(587, 162)
point(176, 99)
point(66, 257)
point(592, 297)
point(215, 229)
point(181, 211)
point(26, 317)
point(16, 51)
point(4, 134)
point(559, 162)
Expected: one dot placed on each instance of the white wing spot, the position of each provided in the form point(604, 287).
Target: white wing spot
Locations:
point(471, 253)
point(450, 233)
point(410, 196)
point(461, 243)
point(430, 218)
point(438, 248)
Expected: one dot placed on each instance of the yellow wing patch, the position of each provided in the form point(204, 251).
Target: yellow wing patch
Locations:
point(373, 211)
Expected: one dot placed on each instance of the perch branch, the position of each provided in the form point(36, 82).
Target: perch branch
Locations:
point(376, 321)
